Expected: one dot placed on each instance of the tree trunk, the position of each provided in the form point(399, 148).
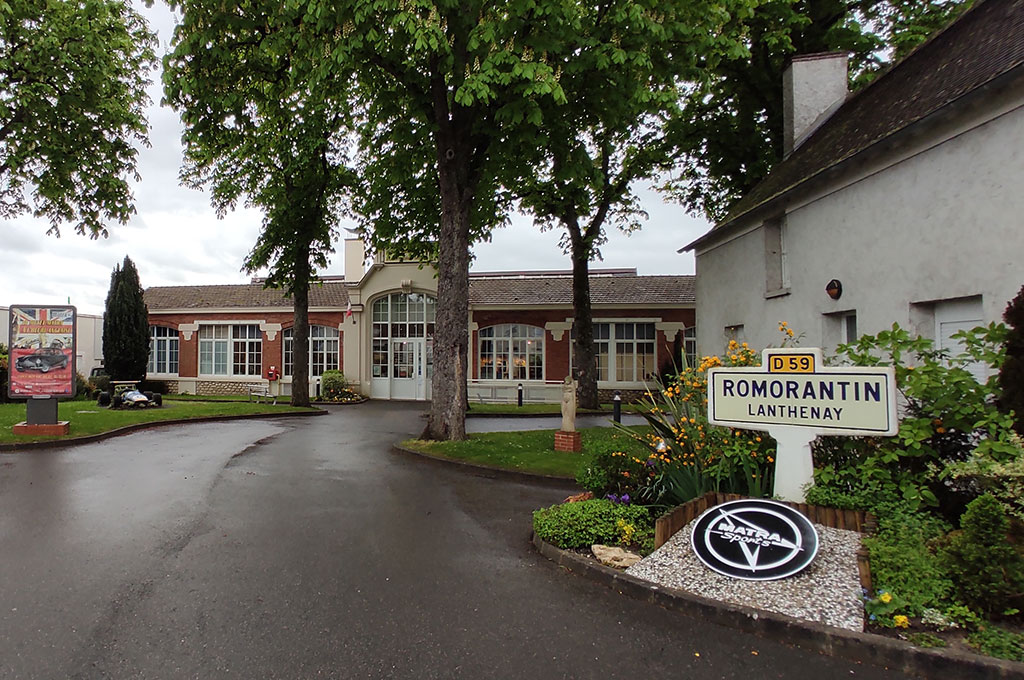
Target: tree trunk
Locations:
point(451, 334)
point(584, 358)
point(300, 336)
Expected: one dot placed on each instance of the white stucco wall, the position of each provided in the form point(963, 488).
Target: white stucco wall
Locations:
point(944, 220)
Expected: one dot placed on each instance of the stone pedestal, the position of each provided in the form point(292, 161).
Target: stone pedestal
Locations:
point(58, 429)
point(568, 441)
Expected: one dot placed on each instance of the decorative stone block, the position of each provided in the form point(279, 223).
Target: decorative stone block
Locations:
point(568, 441)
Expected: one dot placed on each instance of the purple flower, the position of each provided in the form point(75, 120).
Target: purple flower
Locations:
point(612, 497)
point(625, 498)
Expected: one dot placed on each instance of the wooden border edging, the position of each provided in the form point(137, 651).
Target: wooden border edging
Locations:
point(817, 637)
point(677, 518)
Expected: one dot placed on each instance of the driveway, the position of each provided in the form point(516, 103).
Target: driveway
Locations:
point(306, 548)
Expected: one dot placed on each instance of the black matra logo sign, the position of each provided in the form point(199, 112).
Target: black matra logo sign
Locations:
point(755, 540)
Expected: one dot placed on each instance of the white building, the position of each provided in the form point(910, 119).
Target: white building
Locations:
point(909, 193)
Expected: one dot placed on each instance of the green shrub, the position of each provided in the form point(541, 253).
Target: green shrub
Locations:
point(904, 561)
point(83, 388)
point(987, 570)
point(582, 524)
point(102, 383)
point(332, 384)
point(950, 416)
point(999, 642)
point(612, 467)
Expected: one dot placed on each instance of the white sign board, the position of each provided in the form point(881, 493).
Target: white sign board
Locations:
point(794, 397)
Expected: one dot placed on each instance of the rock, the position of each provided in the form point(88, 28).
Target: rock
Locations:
point(614, 556)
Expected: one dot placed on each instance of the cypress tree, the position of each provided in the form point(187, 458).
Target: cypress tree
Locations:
point(1011, 375)
point(125, 325)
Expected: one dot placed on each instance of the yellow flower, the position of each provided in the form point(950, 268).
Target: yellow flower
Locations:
point(885, 597)
point(900, 621)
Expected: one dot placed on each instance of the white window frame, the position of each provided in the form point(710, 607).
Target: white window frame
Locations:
point(508, 342)
point(164, 347)
point(324, 341)
point(220, 344)
point(607, 350)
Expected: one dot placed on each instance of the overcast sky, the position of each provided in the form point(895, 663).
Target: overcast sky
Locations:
point(176, 239)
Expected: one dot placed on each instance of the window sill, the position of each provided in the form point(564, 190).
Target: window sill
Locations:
point(781, 292)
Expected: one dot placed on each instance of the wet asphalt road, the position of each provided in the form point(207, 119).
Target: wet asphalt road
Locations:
point(306, 548)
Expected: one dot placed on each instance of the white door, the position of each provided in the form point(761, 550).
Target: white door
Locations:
point(408, 369)
point(954, 316)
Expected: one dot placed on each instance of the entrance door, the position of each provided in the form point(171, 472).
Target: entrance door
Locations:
point(408, 369)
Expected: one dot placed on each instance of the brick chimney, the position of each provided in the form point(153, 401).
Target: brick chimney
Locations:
point(813, 86)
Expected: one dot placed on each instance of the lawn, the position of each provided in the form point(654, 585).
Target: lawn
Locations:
point(476, 408)
point(531, 451)
point(87, 418)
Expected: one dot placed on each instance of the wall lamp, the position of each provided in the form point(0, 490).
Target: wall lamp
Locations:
point(834, 288)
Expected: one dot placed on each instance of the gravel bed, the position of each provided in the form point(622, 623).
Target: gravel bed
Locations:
point(828, 591)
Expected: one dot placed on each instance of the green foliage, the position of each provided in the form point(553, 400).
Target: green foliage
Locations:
point(613, 466)
point(125, 325)
point(1004, 480)
point(949, 417)
point(332, 384)
point(998, 642)
point(74, 78)
point(102, 383)
point(267, 124)
point(926, 640)
point(687, 457)
point(904, 561)
point(988, 571)
point(83, 388)
point(582, 524)
point(732, 128)
point(5, 360)
point(1011, 375)
point(622, 84)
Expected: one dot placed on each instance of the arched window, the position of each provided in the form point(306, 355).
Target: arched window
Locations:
point(324, 349)
point(511, 351)
point(398, 317)
point(163, 350)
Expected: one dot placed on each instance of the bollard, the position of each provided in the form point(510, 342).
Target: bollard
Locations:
point(617, 407)
point(520, 394)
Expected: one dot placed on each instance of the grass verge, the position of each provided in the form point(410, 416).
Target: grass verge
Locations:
point(476, 408)
point(86, 418)
point(532, 451)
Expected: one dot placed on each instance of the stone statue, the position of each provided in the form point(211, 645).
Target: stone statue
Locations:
point(569, 405)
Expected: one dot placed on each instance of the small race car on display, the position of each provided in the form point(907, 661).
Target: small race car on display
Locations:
point(125, 395)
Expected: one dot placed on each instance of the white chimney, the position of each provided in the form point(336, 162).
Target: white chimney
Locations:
point(813, 86)
point(355, 259)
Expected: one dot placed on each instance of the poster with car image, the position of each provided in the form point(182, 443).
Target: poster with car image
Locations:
point(42, 351)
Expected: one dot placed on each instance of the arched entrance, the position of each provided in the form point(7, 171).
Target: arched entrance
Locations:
point(402, 344)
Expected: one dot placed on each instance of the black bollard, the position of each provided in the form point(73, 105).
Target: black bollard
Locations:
point(520, 394)
point(617, 407)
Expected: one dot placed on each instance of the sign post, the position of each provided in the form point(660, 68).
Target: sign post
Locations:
point(42, 364)
point(795, 398)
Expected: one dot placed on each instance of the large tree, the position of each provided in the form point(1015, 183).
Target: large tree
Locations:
point(73, 77)
point(125, 325)
point(445, 89)
point(258, 128)
point(623, 75)
point(732, 132)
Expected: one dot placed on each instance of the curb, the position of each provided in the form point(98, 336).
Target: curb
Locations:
point(869, 648)
point(128, 429)
point(552, 480)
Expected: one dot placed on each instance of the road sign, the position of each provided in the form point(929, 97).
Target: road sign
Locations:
point(795, 398)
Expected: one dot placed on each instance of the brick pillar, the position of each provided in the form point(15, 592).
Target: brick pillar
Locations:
point(568, 441)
